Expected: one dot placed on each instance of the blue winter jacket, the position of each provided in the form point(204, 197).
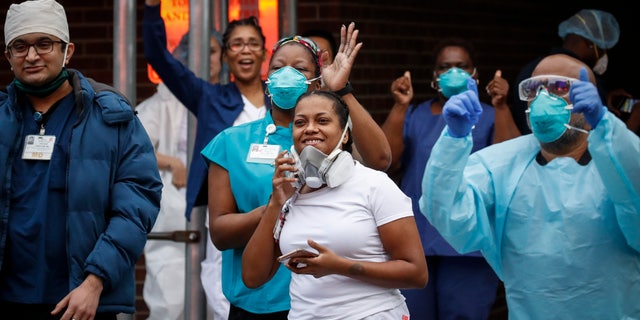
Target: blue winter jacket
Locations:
point(113, 189)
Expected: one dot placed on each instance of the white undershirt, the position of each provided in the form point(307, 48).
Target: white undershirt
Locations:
point(250, 112)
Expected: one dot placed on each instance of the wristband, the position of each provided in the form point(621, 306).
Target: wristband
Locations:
point(344, 91)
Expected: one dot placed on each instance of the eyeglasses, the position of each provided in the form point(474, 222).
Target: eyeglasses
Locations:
point(557, 85)
point(21, 48)
point(237, 46)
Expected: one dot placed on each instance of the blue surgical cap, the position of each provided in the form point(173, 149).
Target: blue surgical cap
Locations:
point(597, 26)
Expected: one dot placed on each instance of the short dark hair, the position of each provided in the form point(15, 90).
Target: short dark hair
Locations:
point(454, 42)
point(250, 21)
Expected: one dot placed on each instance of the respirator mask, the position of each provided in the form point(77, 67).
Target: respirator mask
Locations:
point(453, 81)
point(286, 85)
point(315, 168)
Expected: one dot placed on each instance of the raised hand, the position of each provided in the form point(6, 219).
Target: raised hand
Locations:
point(462, 110)
point(498, 88)
point(402, 89)
point(584, 96)
point(336, 75)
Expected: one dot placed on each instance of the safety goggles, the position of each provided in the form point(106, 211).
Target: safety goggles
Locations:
point(558, 85)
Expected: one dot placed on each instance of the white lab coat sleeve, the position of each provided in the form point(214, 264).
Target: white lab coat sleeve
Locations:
point(615, 151)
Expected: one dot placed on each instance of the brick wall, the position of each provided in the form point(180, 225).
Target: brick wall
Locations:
point(397, 36)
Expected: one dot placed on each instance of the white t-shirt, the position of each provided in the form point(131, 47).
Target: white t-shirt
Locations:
point(345, 219)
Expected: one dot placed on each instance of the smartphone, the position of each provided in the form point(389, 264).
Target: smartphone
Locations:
point(296, 184)
point(297, 253)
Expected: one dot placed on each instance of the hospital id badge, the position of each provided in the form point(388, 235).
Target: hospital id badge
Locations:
point(38, 147)
point(263, 153)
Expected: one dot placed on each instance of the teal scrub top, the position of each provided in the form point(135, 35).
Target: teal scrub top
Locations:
point(251, 187)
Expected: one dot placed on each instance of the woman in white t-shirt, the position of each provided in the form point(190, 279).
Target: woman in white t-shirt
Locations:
point(356, 227)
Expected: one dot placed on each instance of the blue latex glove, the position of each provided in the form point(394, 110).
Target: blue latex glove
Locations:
point(462, 110)
point(586, 100)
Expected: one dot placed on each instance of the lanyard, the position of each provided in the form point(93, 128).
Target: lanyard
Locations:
point(42, 118)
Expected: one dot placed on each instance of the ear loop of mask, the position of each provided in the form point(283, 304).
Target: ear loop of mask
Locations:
point(333, 153)
point(64, 59)
point(570, 127)
point(309, 81)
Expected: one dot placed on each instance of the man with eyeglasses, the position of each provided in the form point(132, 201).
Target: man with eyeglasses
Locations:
point(80, 185)
point(556, 213)
point(586, 35)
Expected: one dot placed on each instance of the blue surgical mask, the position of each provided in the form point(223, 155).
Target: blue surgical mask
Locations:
point(549, 116)
point(286, 85)
point(453, 81)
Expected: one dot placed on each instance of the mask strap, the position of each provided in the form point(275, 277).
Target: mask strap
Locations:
point(337, 149)
point(570, 127)
point(595, 47)
point(64, 59)
point(313, 79)
point(599, 23)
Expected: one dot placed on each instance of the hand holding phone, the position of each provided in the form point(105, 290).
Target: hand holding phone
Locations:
point(296, 174)
point(297, 253)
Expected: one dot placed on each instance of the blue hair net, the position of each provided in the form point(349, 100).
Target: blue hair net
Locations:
point(597, 26)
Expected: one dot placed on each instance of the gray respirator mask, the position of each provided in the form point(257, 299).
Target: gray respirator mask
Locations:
point(315, 168)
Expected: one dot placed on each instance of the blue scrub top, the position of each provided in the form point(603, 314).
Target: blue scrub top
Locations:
point(35, 266)
point(421, 130)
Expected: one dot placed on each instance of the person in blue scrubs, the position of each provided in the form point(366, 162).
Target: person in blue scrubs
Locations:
point(461, 286)
point(556, 213)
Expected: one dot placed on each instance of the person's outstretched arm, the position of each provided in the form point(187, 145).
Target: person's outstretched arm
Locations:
point(504, 126)
point(615, 151)
point(368, 137)
point(182, 82)
point(393, 125)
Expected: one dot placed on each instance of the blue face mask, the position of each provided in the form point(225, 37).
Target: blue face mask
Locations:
point(453, 81)
point(549, 116)
point(286, 85)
